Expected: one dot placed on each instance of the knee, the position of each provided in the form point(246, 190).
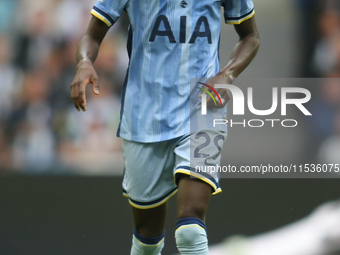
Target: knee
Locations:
point(191, 237)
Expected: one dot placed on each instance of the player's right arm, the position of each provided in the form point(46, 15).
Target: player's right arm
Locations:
point(87, 52)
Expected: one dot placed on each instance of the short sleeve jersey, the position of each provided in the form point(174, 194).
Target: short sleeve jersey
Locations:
point(170, 42)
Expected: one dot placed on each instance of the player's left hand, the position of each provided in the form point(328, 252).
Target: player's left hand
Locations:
point(224, 94)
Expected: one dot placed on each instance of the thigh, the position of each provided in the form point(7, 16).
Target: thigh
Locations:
point(148, 175)
point(198, 155)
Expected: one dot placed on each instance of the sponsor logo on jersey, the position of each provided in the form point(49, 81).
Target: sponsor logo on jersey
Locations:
point(162, 28)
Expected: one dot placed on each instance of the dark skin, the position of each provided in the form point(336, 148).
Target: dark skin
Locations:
point(193, 195)
point(244, 52)
point(192, 201)
point(87, 52)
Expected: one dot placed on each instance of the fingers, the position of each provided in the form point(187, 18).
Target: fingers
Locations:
point(78, 95)
point(84, 76)
point(95, 85)
point(82, 99)
point(220, 101)
point(216, 98)
point(82, 94)
point(74, 96)
point(224, 96)
point(78, 90)
point(227, 97)
point(215, 101)
point(202, 93)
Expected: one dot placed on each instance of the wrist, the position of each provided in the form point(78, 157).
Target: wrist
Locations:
point(85, 61)
point(227, 75)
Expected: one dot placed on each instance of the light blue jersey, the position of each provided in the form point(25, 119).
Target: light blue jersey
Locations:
point(170, 42)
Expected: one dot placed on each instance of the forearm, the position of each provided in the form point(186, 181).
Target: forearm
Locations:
point(87, 49)
point(243, 53)
point(89, 45)
point(87, 52)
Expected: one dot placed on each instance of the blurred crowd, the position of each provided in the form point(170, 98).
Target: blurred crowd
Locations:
point(320, 58)
point(40, 130)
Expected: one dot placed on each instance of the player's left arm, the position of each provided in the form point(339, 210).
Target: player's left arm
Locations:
point(243, 53)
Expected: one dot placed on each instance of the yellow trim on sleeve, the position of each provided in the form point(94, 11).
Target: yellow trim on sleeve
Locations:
point(97, 15)
point(240, 21)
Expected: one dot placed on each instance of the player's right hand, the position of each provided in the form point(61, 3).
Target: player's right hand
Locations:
point(85, 75)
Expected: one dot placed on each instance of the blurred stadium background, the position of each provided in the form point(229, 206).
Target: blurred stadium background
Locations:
point(60, 170)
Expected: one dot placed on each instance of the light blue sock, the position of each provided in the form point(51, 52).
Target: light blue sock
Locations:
point(142, 245)
point(191, 237)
